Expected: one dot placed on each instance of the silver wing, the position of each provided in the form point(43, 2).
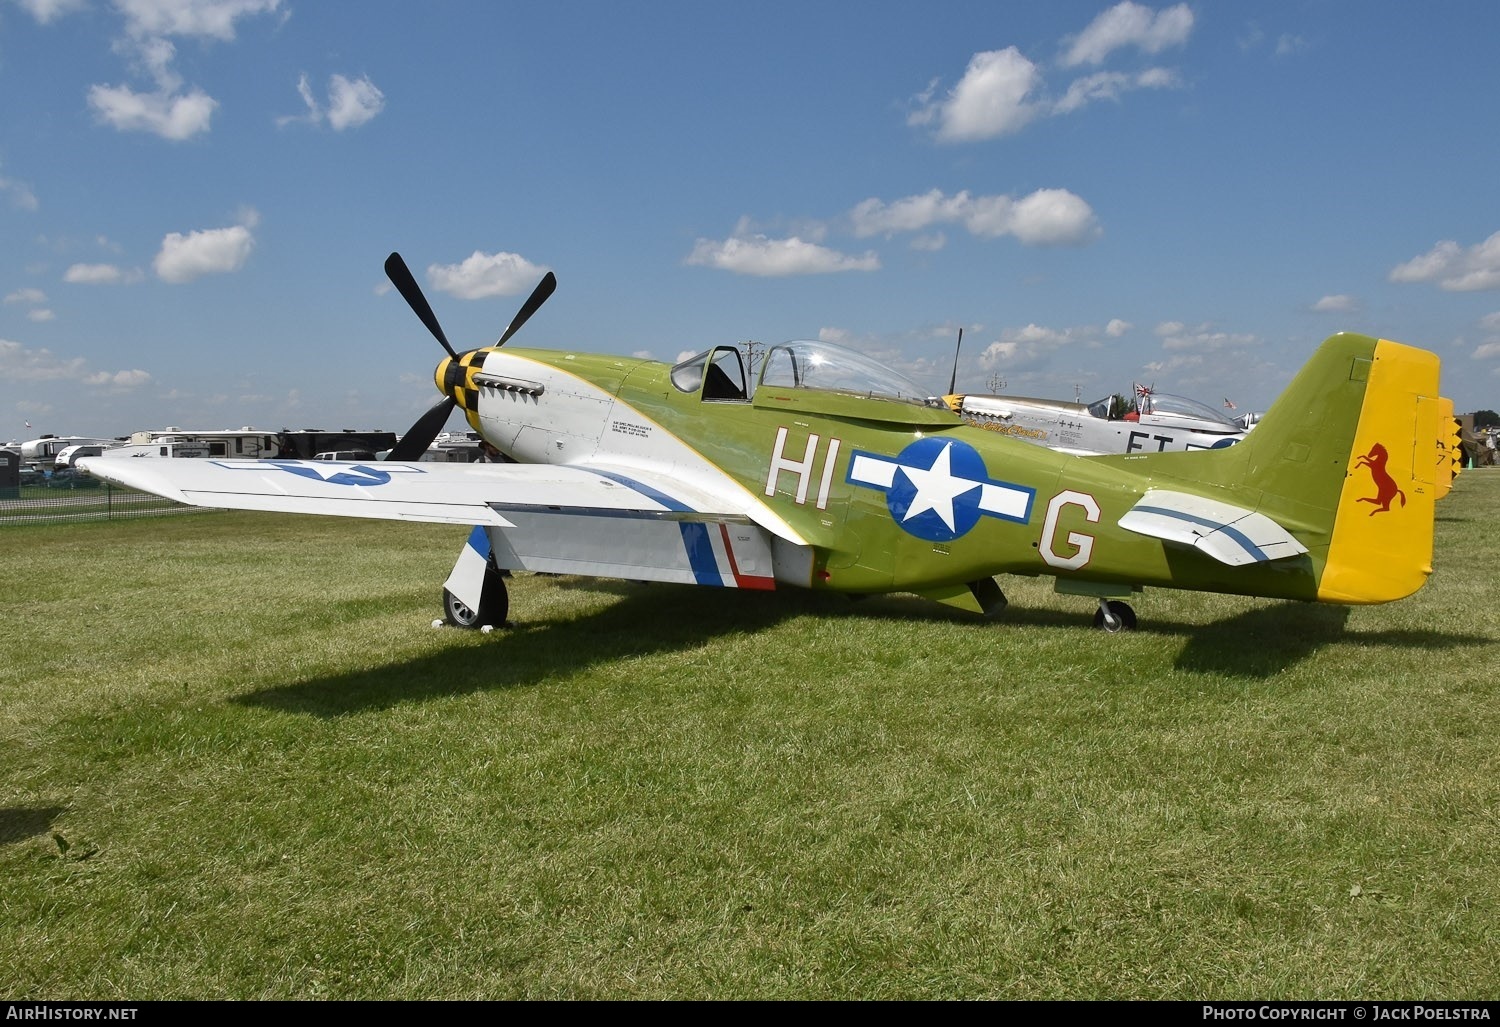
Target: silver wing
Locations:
point(596, 520)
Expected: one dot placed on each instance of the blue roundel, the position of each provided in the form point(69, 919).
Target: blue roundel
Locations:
point(936, 489)
point(359, 474)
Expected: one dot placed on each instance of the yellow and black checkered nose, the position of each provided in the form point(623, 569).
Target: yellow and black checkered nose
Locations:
point(455, 378)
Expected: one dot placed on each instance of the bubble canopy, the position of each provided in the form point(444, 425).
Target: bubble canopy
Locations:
point(1169, 409)
point(825, 367)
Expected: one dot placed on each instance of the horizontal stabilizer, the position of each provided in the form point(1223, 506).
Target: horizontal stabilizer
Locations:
point(1230, 534)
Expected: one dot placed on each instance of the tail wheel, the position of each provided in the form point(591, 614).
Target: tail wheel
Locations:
point(1114, 616)
point(494, 603)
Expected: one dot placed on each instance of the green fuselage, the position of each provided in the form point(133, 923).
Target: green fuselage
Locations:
point(866, 483)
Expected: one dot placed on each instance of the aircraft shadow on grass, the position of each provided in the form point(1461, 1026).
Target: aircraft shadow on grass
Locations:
point(17, 823)
point(652, 619)
point(1287, 633)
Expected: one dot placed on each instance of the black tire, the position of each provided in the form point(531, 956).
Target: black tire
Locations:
point(1121, 617)
point(494, 603)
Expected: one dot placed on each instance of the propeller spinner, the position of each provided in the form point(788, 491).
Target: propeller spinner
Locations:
point(452, 374)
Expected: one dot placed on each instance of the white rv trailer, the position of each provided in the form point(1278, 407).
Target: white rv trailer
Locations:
point(66, 457)
point(223, 443)
point(159, 450)
point(41, 454)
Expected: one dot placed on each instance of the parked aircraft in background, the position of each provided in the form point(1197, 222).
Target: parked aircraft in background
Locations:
point(1151, 422)
point(837, 474)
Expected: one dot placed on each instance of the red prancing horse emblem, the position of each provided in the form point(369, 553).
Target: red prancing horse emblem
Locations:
point(1385, 486)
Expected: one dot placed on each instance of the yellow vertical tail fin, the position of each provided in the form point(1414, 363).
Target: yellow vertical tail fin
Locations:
point(1381, 547)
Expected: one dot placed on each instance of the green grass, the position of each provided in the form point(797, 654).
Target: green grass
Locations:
point(239, 763)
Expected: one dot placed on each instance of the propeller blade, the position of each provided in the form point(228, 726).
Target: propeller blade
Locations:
point(414, 443)
point(538, 296)
point(953, 381)
point(401, 277)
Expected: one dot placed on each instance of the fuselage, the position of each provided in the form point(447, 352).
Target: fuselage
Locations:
point(887, 494)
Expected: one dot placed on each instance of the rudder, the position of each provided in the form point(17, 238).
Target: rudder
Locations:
point(1381, 547)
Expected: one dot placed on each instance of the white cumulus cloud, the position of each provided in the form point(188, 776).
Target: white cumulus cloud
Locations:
point(1455, 268)
point(1337, 304)
point(1029, 347)
point(1130, 24)
point(47, 11)
point(765, 257)
point(169, 110)
point(1047, 217)
point(482, 275)
point(990, 100)
point(100, 274)
point(1109, 85)
point(212, 19)
point(164, 111)
point(118, 380)
point(1002, 91)
point(19, 363)
point(21, 196)
point(171, 117)
point(1200, 339)
point(351, 102)
point(183, 258)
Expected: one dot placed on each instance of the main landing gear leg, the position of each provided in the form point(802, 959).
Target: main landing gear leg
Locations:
point(475, 596)
point(1113, 616)
point(494, 603)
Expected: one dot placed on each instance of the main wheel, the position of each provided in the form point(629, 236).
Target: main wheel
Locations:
point(494, 603)
point(1113, 616)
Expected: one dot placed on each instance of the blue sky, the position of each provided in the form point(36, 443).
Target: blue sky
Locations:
point(197, 196)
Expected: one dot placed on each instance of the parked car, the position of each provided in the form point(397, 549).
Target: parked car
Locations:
point(352, 455)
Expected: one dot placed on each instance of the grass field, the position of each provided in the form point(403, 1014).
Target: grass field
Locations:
point(240, 763)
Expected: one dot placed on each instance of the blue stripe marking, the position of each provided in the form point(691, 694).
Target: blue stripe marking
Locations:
point(700, 553)
point(479, 541)
point(645, 490)
point(1238, 536)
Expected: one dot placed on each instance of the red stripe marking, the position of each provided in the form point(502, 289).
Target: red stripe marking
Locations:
point(743, 580)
